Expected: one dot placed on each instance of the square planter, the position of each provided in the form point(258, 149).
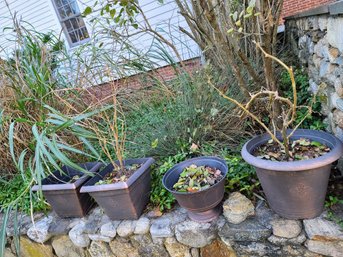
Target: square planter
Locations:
point(122, 200)
point(65, 198)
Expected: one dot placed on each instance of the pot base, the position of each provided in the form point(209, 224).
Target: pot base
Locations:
point(206, 216)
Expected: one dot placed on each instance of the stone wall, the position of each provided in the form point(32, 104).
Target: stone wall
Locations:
point(242, 230)
point(316, 36)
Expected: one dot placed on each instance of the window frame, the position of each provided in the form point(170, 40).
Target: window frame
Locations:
point(65, 29)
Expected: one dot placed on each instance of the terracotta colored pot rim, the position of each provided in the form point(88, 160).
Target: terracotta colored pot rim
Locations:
point(320, 136)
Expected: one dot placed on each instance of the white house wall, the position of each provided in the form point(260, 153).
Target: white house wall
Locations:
point(41, 15)
point(38, 13)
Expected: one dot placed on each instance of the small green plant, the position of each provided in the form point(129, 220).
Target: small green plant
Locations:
point(19, 189)
point(329, 204)
point(197, 178)
point(159, 195)
point(241, 176)
point(315, 119)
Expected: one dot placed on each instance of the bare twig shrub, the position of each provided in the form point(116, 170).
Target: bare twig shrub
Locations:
point(288, 107)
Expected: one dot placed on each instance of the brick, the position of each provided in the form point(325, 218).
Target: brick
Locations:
point(291, 7)
point(166, 73)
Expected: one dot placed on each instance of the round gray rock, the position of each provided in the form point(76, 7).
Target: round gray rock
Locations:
point(109, 229)
point(286, 228)
point(142, 226)
point(39, 232)
point(78, 236)
point(126, 228)
point(195, 234)
point(237, 208)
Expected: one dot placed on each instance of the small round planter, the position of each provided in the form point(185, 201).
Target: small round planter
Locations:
point(295, 190)
point(202, 206)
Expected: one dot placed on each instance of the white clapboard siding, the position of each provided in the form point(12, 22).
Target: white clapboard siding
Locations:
point(42, 16)
point(36, 13)
point(164, 18)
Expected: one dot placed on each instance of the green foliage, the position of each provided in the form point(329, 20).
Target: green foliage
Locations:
point(241, 176)
point(18, 190)
point(183, 112)
point(122, 12)
point(159, 195)
point(197, 178)
point(329, 205)
point(315, 120)
point(238, 18)
point(41, 125)
point(333, 200)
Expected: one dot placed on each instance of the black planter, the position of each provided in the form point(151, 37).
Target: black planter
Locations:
point(202, 206)
point(65, 198)
point(295, 190)
point(122, 200)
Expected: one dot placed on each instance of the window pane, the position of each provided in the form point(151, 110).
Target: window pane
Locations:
point(71, 20)
point(79, 35)
point(64, 2)
point(82, 33)
point(74, 7)
point(68, 25)
point(74, 23)
point(58, 3)
point(73, 37)
point(62, 13)
point(85, 32)
point(81, 22)
point(68, 10)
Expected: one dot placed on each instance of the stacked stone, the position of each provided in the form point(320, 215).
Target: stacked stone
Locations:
point(242, 230)
point(318, 42)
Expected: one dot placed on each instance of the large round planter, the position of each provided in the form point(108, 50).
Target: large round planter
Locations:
point(202, 206)
point(297, 189)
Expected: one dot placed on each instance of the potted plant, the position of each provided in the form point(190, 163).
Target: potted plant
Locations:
point(293, 165)
point(198, 186)
point(122, 198)
point(62, 190)
point(122, 188)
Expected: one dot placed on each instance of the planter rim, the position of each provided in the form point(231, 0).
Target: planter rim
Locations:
point(68, 186)
point(190, 162)
point(121, 185)
point(330, 140)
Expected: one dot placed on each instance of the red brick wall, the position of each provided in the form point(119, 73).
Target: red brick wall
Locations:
point(291, 7)
point(166, 73)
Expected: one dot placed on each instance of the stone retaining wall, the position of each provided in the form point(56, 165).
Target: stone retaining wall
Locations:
point(242, 230)
point(316, 36)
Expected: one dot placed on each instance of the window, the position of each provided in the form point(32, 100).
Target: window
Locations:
point(73, 24)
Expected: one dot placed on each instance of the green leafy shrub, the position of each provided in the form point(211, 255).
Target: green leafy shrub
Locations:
point(18, 190)
point(175, 115)
point(315, 120)
point(159, 195)
point(241, 176)
point(330, 204)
